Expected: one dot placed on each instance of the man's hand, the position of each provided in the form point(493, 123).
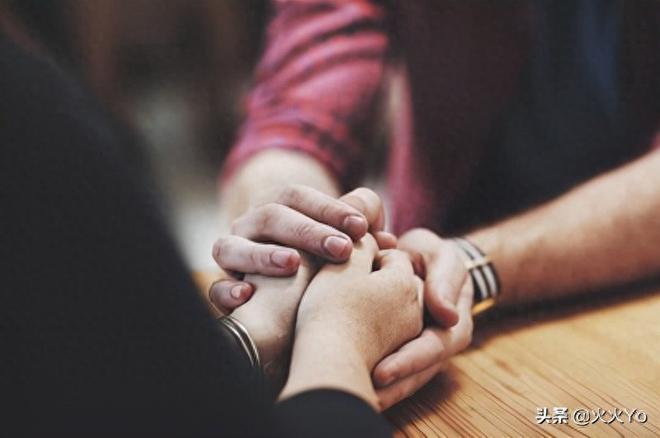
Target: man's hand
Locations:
point(448, 295)
point(445, 273)
point(402, 373)
point(294, 218)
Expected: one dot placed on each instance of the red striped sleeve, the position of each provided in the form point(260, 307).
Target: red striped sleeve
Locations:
point(316, 83)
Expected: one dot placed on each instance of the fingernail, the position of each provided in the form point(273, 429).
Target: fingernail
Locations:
point(237, 291)
point(283, 259)
point(337, 246)
point(355, 225)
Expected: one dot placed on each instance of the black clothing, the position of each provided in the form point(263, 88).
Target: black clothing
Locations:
point(101, 329)
point(568, 122)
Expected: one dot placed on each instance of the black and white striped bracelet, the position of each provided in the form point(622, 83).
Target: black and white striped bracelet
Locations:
point(483, 274)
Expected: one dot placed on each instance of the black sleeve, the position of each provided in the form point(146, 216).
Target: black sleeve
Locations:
point(104, 324)
point(101, 329)
point(329, 413)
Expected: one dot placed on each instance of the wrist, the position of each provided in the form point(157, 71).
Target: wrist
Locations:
point(273, 168)
point(482, 274)
point(327, 358)
point(269, 336)
point(341, 327)
point(270, 314)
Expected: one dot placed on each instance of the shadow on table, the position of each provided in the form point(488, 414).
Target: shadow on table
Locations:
point(506, 321)
point(427, 399)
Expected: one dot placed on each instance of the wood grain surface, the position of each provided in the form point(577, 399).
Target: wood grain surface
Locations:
point(577, 356)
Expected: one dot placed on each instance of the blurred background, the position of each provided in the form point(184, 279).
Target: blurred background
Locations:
point(174, 71)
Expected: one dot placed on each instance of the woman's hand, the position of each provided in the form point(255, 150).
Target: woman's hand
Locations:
point(350, 317)
point(270, 315)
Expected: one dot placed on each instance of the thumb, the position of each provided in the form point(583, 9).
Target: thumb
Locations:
point(438, 289)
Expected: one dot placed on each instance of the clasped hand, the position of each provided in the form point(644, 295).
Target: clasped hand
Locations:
point(365, 303)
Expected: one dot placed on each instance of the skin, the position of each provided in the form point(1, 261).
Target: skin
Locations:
point(612, 241)
point(265, 180)
point(604, 232)
point(360, 313)
point(288, 198)
point(447, 289)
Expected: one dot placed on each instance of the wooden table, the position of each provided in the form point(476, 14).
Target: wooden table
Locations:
point(604, 355)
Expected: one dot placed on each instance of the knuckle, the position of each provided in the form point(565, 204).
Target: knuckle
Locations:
point(409, 286)
point(305, 230)
point(266, 215)
point(437, 350)
point(397, 284)
point(328, 212)
point(259, 258)
point(237, 225)
point(404, 284)
point(290, 194)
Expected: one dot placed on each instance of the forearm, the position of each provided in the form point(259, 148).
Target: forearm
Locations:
point(269, 170)
point(602, 233)
point(314, 93)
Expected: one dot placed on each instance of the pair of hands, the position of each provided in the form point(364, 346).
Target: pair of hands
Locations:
point(301, 218)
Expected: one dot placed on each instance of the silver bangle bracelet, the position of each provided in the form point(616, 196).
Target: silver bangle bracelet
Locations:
point(244, 339)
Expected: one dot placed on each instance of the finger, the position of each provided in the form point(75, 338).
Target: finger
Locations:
point(368, 245)
point(361, 260)
point(420, 240)
point(369, 204)
point(445, 276)
point(461, 334)
point(418, 263)
point(420, 296)
point(281, 224)
point(466, 299)
point(443, 270)
point(385, 240)
point(448, 272)
point(415, 356)
point(325, 209)
point(227, 295)
point(236, 253)
point(404, 388)
point(393, 261)
point(441, 309)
